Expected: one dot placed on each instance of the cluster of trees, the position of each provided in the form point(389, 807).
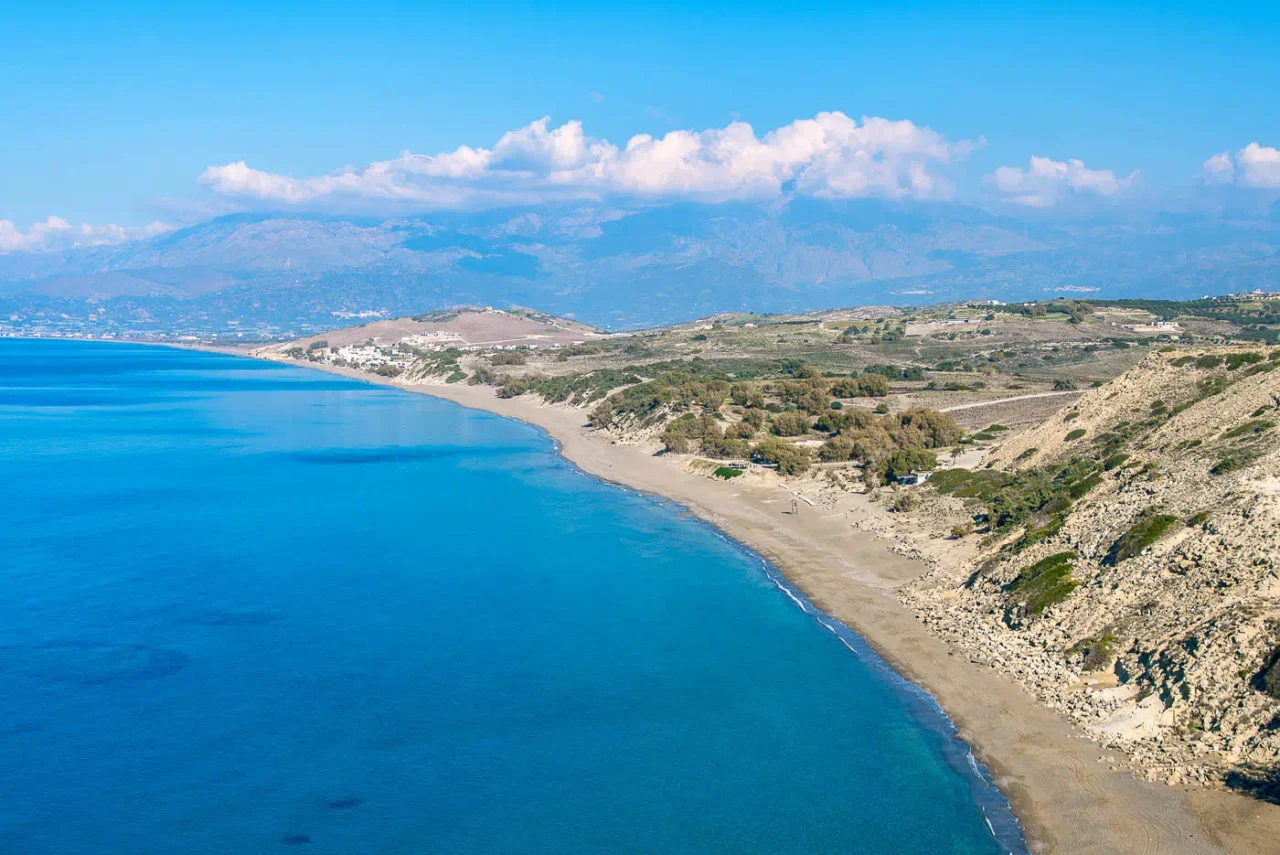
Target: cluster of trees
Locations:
point(714, 441)
point(890, 445)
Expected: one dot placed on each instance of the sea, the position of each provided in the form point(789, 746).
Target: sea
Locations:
point(252, 608)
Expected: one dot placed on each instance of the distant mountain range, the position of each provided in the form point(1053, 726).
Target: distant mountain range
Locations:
point(624, 267)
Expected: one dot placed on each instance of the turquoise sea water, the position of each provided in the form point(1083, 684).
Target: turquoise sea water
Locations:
point(247, 608)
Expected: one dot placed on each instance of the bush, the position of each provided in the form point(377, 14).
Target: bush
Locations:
point(905, 462)
point(725, 447)
point(727, 472)
point(508, 357)
point(785, 457)
point(1249, 428)
point(904, 502)
point(789, 424)
point(1115, 460)
point(1233, 460)
point(1075, 434)
point(1045, 583)
point(1064, 386)
point(1149, 528)
point(835, 450)
point(1098, 652)
point(1235, 360)
point(923, 428)
point(959, 531)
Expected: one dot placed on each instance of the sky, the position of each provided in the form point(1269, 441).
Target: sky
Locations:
point(123, 117)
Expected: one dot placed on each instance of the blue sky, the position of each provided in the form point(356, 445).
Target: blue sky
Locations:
point(112, 112)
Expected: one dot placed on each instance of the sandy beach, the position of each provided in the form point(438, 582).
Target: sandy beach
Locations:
point(1060, 784)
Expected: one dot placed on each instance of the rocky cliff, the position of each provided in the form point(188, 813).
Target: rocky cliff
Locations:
point(1130, 574)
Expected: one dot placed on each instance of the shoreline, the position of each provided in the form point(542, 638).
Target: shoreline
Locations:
point(1058, 782)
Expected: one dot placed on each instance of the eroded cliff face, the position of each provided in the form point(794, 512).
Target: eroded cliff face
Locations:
point(1132, 575)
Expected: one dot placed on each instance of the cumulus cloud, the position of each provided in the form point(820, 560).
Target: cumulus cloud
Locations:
point(56, 233)
point(1046, 182)
point(1256, 166)
point(828, 156)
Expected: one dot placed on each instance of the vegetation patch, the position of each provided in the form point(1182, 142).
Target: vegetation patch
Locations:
point(1199, 519)
point(1149, 528)
point(1249, 428)
point(1233, 460)
point(1045, 583)
point(1098, 652)
point(1115, 460)
point(788, 459)
point(1236, 360)
point(1076, 434)
point(726, 472)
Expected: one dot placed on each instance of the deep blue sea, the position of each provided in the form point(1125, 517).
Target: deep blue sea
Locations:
point(246, 608)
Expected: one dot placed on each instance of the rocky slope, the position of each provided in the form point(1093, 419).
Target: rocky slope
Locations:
point(1131, 571)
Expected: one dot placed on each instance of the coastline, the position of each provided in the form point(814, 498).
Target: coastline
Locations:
point(1058, 783)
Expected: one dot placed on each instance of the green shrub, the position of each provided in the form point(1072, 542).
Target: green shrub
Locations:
point(905, 462)
point(836, 449)
point(1076, 434)
point(789, 424)
point(1082, 487)
point(1045, 583)
point(787, 458)
point(1197, 519)
point(1235, 360)
point(1098, 652)
point(1149, 528)
point(1233, 460)
point(727, 472)
point(1115, 460)
point(1249, 428)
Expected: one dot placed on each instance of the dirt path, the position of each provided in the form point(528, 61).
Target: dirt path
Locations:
point(973, 406)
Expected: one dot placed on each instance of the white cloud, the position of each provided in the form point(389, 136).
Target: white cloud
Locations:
point(56, 233)
point(1256, 166)
point(1046, 182)
point(830, 156)
point(1219, 169)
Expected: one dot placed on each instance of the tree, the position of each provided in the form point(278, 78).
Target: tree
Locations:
point(789, 424)
point(787, 458)
point(905, 462)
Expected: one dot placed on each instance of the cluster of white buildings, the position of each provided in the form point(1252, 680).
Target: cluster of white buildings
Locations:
point(367, 356)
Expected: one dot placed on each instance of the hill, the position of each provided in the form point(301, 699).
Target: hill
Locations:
point(281, 276)
point(1129, 575)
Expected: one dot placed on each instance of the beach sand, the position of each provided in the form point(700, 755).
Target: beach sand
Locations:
point(1066, 796)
